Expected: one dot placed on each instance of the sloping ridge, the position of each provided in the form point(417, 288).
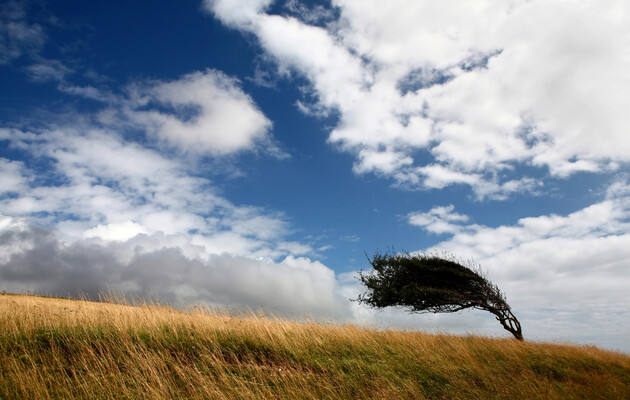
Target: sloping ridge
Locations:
point(61, 348)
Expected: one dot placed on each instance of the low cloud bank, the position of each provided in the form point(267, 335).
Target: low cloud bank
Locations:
point(34, 259)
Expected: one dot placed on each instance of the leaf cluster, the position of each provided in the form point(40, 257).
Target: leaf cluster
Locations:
point(428, 283)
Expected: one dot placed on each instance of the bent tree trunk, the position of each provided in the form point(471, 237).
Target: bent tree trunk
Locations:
point(509, 322)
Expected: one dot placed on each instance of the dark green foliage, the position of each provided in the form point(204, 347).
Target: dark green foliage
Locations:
point(430, 283)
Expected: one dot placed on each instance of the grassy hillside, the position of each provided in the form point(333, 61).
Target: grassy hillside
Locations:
point(57, 348)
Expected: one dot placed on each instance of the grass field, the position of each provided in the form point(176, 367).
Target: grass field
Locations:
point(57, 348)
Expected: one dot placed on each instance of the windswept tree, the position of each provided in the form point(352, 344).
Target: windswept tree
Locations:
point(428, 283)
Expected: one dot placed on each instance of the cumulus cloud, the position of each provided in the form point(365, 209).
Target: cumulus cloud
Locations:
point(438, 220)
point(565, 276)
point(462, 93)
point(12, 176)
point(202, 112)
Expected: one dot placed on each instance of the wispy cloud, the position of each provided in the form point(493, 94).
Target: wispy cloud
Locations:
point(351, 238)
point(48, 70)
point(18, 35)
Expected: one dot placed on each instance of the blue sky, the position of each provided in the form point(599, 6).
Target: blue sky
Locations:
point(250, 152)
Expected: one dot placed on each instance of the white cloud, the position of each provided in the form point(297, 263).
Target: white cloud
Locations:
point(103, 186)
point(386, 162)
point(438, 220)
point(566, 277)
point(121, 231)
point(477, 88)
point(202, 112)
point(439, 176)
point(11, 175)
point(236, 12)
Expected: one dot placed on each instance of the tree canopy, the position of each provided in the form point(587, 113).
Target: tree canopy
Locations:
point(425, 283)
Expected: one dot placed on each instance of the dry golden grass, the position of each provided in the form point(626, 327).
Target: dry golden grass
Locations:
point(57, 348)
